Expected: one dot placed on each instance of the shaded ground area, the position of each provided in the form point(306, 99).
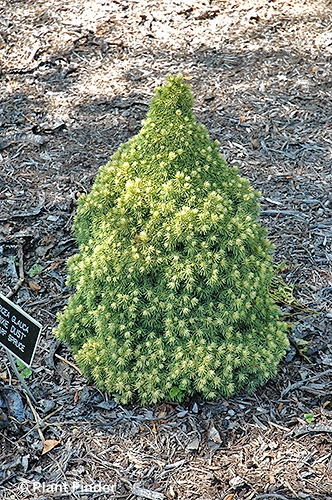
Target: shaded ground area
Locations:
point(76, 78)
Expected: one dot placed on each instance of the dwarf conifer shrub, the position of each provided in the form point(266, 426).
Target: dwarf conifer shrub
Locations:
point(173, 272)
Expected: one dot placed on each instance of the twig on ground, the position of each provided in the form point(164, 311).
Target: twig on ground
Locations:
point(37, 420)
point(277, 213)
point(23, 215)
point(20, 378)
point(312, 428)
point(6, 479)
point(20, 280)
point(271, 495)
point(304, 381)
point(144, 493)
point(64, 360)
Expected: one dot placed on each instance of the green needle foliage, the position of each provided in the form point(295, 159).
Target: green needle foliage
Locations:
point(174, 270)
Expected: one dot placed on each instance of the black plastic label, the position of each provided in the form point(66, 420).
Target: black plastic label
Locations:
point(19, 332)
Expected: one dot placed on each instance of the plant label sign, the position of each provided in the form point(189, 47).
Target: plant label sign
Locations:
point(19, 332)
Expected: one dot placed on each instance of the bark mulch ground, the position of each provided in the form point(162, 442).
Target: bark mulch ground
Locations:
point(76, 78)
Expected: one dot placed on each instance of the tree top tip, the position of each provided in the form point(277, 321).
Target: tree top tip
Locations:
point(174, 94)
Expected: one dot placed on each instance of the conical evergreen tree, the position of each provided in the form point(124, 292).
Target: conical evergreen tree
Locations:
point(173, 272)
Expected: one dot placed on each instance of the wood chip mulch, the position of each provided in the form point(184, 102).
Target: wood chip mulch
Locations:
point(75, 81)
